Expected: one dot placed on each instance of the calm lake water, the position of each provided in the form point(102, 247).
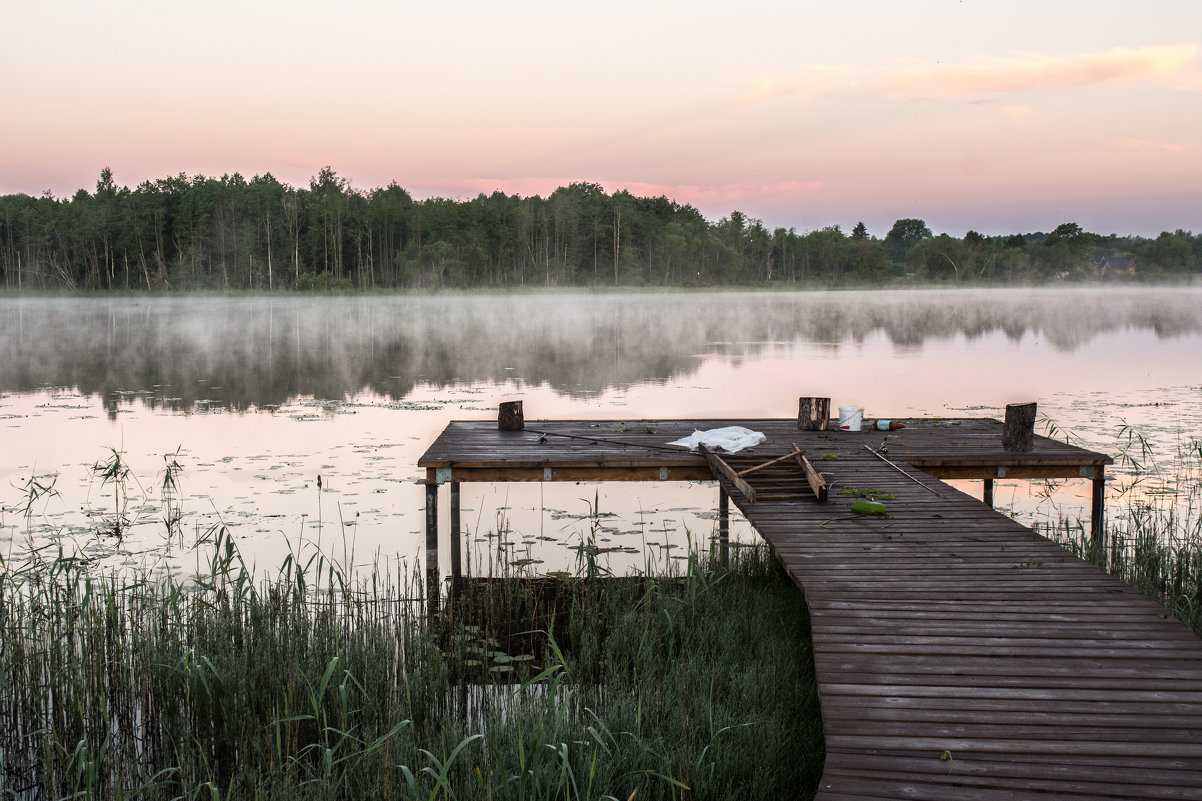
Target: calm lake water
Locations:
point(255, 397)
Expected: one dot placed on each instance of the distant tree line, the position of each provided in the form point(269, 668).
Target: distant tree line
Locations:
point(230, 233)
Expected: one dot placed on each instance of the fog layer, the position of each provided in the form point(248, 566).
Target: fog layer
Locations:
point(260, 351)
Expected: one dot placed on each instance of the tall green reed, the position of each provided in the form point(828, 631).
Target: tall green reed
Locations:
point(1153, 533)
point(227, 684)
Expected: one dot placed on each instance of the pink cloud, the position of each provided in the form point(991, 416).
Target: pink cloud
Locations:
point(470, 187)
point(1034, 71)
point(818, 80)
point(1151, 144)
point(693, 194)
point(1016, 111)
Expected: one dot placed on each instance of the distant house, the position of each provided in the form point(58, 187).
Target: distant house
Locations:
point(1113, 267)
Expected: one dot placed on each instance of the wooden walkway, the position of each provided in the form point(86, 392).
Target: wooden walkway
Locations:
point(959, 655)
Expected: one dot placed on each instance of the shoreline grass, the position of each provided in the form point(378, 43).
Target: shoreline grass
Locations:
point(695, 685)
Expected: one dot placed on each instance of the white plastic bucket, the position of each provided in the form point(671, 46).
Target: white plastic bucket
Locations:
point(850, 418)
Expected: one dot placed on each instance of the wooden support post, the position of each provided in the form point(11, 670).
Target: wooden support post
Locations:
point(987, 492)
point(813, 414)
point(1018, 434)
point(723, 526)
point(432, 577)
point(456, 555)
point(1097, 514)
point(510, 417)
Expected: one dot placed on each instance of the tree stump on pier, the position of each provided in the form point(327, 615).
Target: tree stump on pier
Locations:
point(1018, 433)
point(510, 418)
point(813, 414)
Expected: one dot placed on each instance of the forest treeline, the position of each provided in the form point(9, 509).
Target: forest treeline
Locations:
point(200, 232)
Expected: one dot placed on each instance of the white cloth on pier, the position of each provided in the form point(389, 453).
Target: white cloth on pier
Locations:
point(729, 439)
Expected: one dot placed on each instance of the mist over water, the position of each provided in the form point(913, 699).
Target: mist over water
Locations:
point(262, 394)
point(246, 352)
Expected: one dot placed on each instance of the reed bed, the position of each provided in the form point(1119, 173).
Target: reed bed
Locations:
point(308, 684)
point(1153, 538)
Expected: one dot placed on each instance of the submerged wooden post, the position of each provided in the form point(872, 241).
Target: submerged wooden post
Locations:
point(509, 416)
point(1018, 433)
point(813, 414)
point(987, 493)
point(1097, 515)
point(456, 556)
point(432, 577)
point(723, 525)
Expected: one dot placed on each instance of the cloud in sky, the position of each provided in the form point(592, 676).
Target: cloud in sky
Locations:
point(1015, 110)
point(715, 194)
point(1035, 72)
point(813, 80)
point(1176, 65)
point(1152, 144)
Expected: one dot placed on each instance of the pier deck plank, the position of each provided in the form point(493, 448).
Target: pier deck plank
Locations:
point(958, 653)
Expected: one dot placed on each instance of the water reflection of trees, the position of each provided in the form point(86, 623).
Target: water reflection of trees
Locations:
point(255, 351)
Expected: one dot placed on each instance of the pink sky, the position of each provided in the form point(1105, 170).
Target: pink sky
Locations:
point(996, 117)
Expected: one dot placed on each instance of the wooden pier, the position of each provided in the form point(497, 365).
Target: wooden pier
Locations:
point(959, 655)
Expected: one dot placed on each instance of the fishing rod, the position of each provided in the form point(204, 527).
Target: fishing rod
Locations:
point(884, 459)
point(676, 449)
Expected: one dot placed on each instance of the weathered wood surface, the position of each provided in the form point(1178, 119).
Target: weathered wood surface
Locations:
point(510, 416)
point(813, 414)
point(777, 460)
point(947, 630)
point(1018, 429)
point(973, 444)
point(721, 468)
point(942, 628)
point(813, 477)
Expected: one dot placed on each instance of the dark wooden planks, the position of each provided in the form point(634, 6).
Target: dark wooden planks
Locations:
point(644, 442)
point(946, 628)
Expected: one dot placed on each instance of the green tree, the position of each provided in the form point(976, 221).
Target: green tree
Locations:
point(265, 202)
point(868, 261)
point(940, 258)
point(622, 206)
point(904, 235)
point(1168, 254)
point(827, 253)
point(327, 209)
point(392, 213)
point(293, 210)
point(1070, 232)
point(1065, 253)
point(980, 255)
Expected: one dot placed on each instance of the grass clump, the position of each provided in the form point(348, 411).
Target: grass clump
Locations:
point(308, 684)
